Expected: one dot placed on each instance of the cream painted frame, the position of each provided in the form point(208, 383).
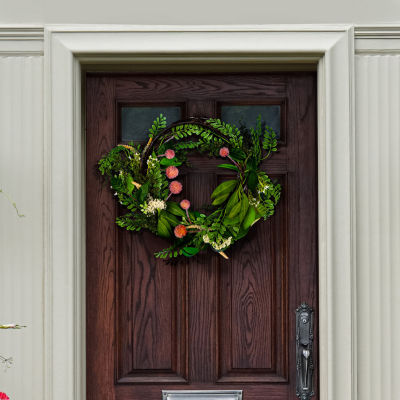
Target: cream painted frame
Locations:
point(68, 48)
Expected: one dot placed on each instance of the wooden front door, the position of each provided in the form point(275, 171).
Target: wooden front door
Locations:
point(204, 323)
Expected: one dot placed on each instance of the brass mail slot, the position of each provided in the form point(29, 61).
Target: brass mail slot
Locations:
point(202, 395)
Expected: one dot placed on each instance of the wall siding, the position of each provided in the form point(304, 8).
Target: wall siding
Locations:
point(378, 225)
point(21, 239)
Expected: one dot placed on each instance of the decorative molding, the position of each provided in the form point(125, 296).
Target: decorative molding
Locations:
point(377, 31)
point(384, 39)
point(21, 40)
point(67, 49)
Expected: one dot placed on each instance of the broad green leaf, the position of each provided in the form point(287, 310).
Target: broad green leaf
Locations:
point(172, 220)
point(165, 162)
point(229, 166)
point(252, 163)
point(190, 251)
point(223, 188)
point(244, 206)
point(241, 234)
point(175, 209)
point(237, 154)
point(252, 181)
point(163, 228)
point(231, 221)
point(232, 201)
point(235, 209)
point(249, 218)
point(220, 199)
point(129, 185)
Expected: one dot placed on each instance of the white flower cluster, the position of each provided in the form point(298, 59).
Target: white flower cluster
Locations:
point(136, 157)
point(220, 244)
point(254, 202)
point(152, 162)
point(263, 187)
point(152, 205)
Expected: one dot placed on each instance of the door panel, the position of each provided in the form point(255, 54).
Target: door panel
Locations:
point(201, 323)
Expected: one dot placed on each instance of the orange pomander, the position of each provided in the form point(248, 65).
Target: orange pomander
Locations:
point(185, 204)
point(175, 187)
point(224, 152)
point(180, 231)
point(170, 154)
point(172, 172)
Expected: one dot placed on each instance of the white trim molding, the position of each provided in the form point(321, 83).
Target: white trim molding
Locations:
point(375, 40)
point(68, 49)
point(21, 41)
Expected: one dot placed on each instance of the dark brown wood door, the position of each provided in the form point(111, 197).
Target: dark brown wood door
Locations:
point(205, 322)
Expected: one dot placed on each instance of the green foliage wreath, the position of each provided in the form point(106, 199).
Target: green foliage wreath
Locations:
point(143, 180)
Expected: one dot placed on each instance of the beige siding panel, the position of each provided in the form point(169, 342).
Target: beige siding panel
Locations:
point(21, 239)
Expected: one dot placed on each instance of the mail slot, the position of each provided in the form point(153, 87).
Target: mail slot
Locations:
point(202, 395)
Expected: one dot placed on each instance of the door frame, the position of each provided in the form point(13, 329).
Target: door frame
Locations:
point(70, 50)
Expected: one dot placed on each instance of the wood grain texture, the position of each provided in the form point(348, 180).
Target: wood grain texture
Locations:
point(201, 323)
point(100, 244)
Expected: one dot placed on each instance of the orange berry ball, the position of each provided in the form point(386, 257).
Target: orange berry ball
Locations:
point(180, 231)
point(185, 204)
point(175, 187)
point(172, 172)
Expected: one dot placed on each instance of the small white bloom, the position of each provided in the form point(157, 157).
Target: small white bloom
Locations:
point(206, 239)
point(152, 205)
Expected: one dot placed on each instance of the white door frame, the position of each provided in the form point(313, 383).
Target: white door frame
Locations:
point(67, 48)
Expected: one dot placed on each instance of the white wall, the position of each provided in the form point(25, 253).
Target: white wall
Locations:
point(198, 12)
point(377, 173)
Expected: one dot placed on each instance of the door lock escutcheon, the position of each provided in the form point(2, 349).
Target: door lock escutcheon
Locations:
point(304, 351)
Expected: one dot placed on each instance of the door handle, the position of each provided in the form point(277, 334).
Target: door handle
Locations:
point(304, 351)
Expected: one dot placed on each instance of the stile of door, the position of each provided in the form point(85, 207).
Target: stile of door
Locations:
point(203, 323)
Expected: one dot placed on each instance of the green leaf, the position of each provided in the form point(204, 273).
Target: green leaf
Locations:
point(117, 184)
point(229, 166)
point(163, 228)
point(175, 209)
point(232, 201)
point(252, 181)
point(129, 185)
point(172, 220)
point(235, 210)
point(252, 163)
point(244, 207)
point(224, 188)
point(165, 162)
point(237, 154)
point(250, 217)
point(241, 234)
point(142, 192)
point(190, 251)
point(231, 221)
point(220, 199)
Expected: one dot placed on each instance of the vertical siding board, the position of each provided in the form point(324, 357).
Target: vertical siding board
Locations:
point(378, 225)
point(363, 225)
point(394, 228)
point(21, 239)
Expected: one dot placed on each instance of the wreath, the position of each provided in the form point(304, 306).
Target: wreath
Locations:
point(144, 180)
